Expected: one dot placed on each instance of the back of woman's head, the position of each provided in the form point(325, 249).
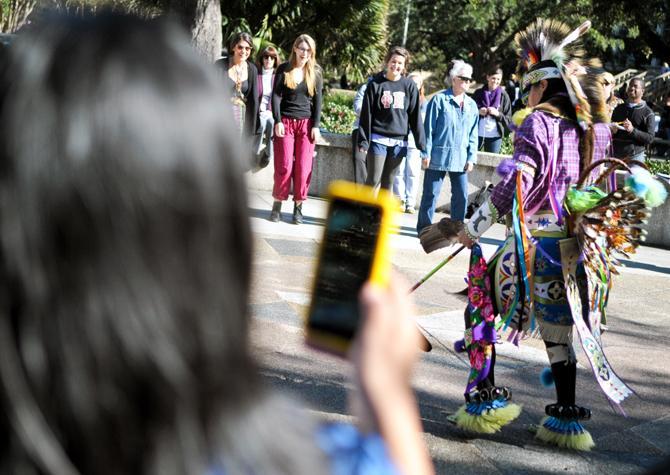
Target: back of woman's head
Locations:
point(125, 252)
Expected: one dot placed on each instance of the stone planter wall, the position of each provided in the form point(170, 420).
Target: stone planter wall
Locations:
point(333, 161)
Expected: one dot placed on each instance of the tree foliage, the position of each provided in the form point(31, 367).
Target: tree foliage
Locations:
point(350, 35)
point(200, 18)
point(482, 31)
point(13, 14)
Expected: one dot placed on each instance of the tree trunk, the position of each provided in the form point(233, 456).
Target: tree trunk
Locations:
point(202, 18)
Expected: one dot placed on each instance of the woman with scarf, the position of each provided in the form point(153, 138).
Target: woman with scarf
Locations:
point(240, 77)
point(495, 112)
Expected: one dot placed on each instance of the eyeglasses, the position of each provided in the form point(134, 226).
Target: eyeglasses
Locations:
point(243, 48)
point(269, 57)
point(304, 50)
point(464, 78)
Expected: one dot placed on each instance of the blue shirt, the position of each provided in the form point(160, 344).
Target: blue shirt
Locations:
point(451, 132)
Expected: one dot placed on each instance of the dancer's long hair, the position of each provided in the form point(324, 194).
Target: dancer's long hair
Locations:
point(125, 264)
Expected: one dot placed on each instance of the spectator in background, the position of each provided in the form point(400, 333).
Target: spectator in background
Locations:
point(390, 111)
point(664, 128)
point(512, 88)
point(268, 60)
point(359, 160)
point(495, 112)
point(633, 124)
point(451, 144)
point(125, 309)
point(404, 185)
point(240, 77)
point(296, 108)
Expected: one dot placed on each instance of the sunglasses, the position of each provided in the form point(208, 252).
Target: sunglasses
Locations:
point(464, 78)
point(269, 57)
point(243, 48)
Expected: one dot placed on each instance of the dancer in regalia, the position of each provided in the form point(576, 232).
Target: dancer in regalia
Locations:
point(554, 271)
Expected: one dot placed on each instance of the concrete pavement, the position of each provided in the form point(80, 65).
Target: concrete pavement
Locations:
point(635, 346)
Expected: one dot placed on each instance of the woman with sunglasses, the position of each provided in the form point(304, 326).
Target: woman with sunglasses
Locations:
point(495, 112)
point(451, 144)
point(296, 109)
point(240, 79)
point(268, 61)
point(390, 110)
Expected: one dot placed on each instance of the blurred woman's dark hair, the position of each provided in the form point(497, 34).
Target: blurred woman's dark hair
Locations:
point(125, 263)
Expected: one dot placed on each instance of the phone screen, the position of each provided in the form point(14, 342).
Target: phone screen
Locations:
point(350, 240)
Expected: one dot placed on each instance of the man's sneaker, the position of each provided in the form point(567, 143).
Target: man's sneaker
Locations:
point(275, 215)
point(410, 210)
point(297, 213)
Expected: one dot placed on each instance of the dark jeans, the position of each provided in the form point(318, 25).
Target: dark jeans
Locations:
point(383, 163)
point(432, 184)
point(491, 144)
point(359, 158)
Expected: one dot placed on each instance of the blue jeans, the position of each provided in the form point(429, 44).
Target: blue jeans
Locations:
point(640, 157)
point(491, 144)
point(432, 184)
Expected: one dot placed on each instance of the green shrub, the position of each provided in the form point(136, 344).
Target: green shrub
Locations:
point(659, 166)
point(507, 147)
point(337, 112)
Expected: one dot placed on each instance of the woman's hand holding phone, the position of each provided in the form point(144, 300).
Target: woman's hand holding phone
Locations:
point(384, 354)
point(386, 346)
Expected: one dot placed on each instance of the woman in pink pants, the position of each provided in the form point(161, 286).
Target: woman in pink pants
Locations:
point(296, 107)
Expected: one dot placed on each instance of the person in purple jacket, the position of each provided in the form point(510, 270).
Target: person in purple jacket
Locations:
point(565, 132)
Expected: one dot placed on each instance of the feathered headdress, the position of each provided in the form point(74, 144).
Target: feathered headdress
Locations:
point(549, 49)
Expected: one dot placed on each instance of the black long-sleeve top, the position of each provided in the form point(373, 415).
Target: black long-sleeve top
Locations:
point(251, 123)
point(296, 103)
point(391, 109)
point(627, 144)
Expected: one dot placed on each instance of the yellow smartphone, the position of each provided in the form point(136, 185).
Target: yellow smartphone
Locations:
point(354, 250)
